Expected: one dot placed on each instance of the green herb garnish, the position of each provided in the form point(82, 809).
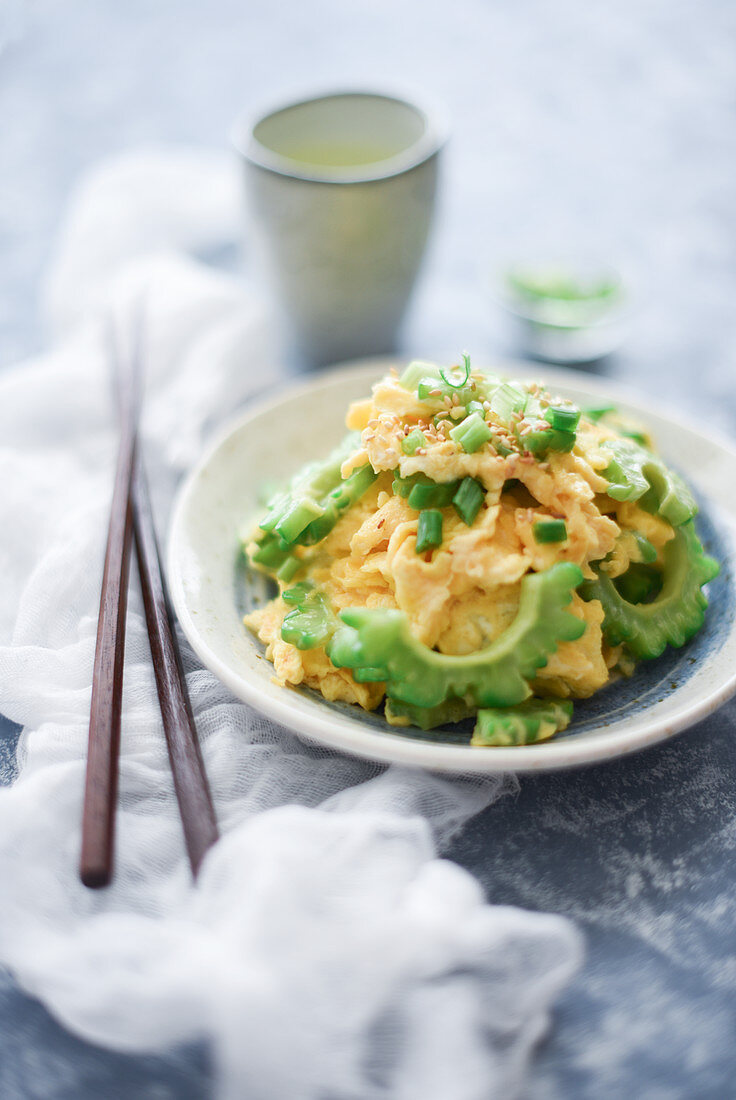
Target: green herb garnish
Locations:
point(550, 530)
point(429, 530)
point(463, 381)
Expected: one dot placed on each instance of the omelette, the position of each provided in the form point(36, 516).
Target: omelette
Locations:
point(477, 547)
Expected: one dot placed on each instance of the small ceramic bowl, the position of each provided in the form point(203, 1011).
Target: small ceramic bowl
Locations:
point(565, 311)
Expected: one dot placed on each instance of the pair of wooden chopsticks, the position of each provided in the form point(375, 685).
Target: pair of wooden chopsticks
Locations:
point(131, 514)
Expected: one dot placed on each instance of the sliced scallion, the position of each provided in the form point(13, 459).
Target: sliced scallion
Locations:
point(429, 388)
point(508, 400)
point(297, 517)
point(270, 553)
point(540, 440)
point(471, 433)
point(452, 381)
point(468, 500)
point(565, 417)
point(413, 374)
point(549, 530)
point(432, 494)
point(413, 441)
point(429, 530)
point(289, 569)
point(402, 486)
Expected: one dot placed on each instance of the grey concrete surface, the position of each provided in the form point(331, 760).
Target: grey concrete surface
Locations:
point(576, 125)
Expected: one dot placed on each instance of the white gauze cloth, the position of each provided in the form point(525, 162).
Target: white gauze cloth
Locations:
point(326, 949)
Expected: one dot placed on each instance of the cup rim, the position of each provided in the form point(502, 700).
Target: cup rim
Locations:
point(433, 138)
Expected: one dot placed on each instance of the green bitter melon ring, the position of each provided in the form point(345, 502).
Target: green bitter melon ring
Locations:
point(678, 611)
point(377, 644)
point(636, 474)
point(533, 720)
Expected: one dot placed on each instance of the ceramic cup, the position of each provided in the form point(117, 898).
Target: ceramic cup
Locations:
point(341, 189)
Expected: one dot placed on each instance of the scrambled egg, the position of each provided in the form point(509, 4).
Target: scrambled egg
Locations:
point(463, 594)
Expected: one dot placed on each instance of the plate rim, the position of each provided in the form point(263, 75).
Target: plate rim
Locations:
point(328, 729)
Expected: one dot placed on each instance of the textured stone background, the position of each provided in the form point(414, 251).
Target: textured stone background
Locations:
point(576, 125)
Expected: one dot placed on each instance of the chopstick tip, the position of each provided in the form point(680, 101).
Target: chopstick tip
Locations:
point(94, 878)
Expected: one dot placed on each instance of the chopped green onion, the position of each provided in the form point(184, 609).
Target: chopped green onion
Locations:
point(415, 372)
point(550, 530)
point(402, 486)
point(471, 433)
point(468, 500)
point(508, 400)
point(298, 516)
point(429, 530)
point(429, 388)
point(422, 492)
point(432, 494)
point(270, 554)
point(289, 569)
point(413, 441)
point(540, 440)
point(533, 408)
point(336, 502)
point(458, 385)
point(565, 417)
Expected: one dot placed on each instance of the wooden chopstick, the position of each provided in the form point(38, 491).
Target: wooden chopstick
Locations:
point(100, 792)
point(190, 779)
point(131, 511)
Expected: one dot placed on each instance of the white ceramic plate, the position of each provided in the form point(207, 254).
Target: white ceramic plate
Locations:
point(210, 590)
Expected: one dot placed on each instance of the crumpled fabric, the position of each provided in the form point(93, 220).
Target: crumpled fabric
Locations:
point(327, 949)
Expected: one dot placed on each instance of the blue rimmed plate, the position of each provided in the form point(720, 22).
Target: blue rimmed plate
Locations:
point(211, 591)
